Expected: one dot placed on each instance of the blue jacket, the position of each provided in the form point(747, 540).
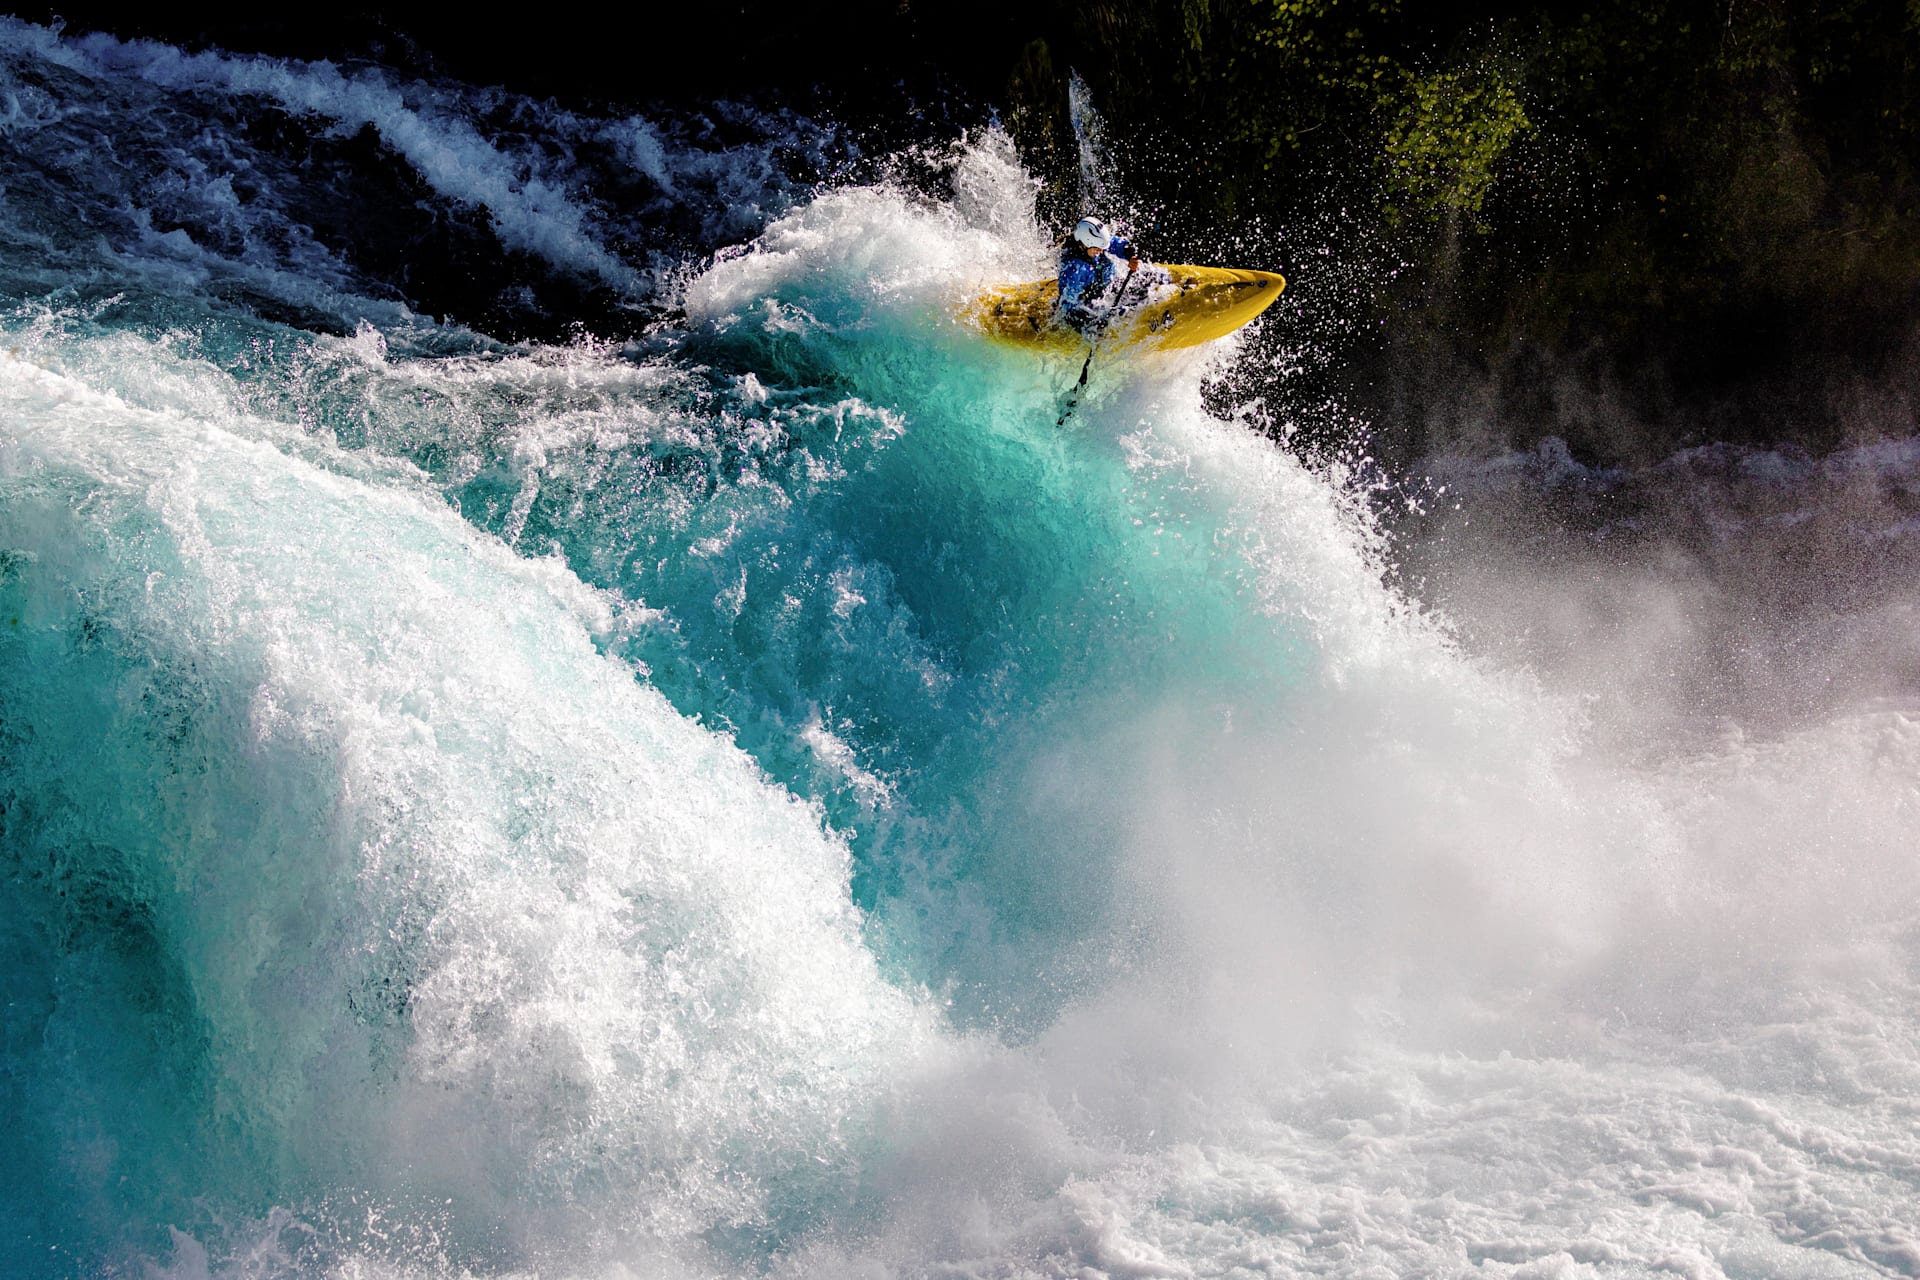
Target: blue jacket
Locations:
point(1084, 283)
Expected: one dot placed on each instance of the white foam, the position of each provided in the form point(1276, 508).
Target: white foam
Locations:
point(849, 252)
point(529, 212)
point(623, 950)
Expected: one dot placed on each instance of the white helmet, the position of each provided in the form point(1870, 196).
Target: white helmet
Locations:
point(1092, 233)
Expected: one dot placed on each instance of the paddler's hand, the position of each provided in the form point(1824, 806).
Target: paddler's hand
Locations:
point(1133, 263)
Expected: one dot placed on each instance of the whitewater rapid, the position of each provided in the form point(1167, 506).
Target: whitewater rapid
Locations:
point(752, 795)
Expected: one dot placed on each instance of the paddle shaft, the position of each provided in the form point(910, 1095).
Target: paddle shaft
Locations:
point(1093, 344)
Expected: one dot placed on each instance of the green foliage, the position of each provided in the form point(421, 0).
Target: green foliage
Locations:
point(1444, 137)
point(1262, 89)
point(1286, 69)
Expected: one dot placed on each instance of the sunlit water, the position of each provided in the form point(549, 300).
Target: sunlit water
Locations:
point(762, 798)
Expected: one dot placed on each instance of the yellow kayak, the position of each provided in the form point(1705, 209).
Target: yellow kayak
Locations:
point(1164, 305)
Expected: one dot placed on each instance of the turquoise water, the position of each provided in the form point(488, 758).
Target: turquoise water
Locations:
point(367, 693)
point(756, 796)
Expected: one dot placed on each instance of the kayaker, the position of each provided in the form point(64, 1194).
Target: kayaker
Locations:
point(1086, 272)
